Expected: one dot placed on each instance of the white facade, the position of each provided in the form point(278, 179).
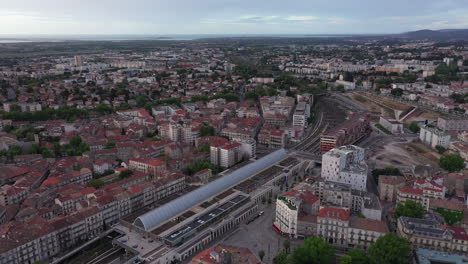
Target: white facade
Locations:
point(434, 137)
point(225, 156)
point(248, 147)
point(346, 85)
point(286, 216)
point(346, 165)
point(391, 125)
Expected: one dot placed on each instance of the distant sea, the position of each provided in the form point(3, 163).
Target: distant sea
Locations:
point(13, 41)
point(180, 37)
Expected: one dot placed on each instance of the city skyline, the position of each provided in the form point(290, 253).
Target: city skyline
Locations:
point(51, 17)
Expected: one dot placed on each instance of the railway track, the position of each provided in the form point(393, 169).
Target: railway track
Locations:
point(329, 117)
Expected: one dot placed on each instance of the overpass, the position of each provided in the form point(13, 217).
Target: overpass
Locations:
point(317, 158)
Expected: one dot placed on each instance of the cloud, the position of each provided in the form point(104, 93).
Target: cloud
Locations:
point(301, 18)
point(229, 16)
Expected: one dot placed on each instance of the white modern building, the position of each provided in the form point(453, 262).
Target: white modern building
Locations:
point(248, 148)
point(392, 125)
point(293, 204)
point(346, 164)
point(301, 114)
point(434, 137)
point(225, 155)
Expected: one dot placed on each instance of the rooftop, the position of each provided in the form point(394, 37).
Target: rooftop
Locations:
point(427, 256)
point(160, 215)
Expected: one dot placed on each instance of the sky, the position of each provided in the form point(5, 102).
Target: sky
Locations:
point(95, 17)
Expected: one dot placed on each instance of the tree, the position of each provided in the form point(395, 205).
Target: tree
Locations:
point(286, 245)
point(261, 255)
point(281, 258)
point(390, 249)
point(46, 153)
point(340, 88)
point(355, 256)
point(207, 131)
point(314, 251)
point(141, 100)
point(397, 92)
point(15, 108)
point(414, 127)
point(75, 146)
point(441, 150)
point(15, 151)
point(75, 141)
point(410, 209)
point(345, 259)
point(125, 174)
point(57, 149)
point(96, 183)
point(110, 145)
point(452, 162)
point(35, 149)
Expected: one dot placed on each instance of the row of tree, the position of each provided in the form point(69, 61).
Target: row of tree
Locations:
point(388, 249)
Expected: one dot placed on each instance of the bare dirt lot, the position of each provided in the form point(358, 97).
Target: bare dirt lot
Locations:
point(390, 152)
point(420, 115)
point(371, 106)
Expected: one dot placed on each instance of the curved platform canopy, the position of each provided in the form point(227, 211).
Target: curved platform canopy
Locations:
point(174, 208)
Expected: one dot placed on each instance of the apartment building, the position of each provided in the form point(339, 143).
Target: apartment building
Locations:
point(335, 194)
point(277, 105)
point(152, 167)
point(24, 107)
point(423, 191)
point(301, 114)
point(248, 148)
point(11, 194)
point(272, 138)
point(226, 155)
point(296, 202)
point(430, 234)
point(332, 225)
point(389, 186)
point(38, 239)
point(346, 164)
point(434, 137)
point(452, 124)
point(355, 128)
point(83, 176)
point(422, 197)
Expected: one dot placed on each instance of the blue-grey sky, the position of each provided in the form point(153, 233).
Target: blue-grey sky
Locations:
point(228, 16)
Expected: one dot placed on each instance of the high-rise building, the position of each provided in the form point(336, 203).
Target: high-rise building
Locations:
point(225, 155)
point(78, 60)
point(346, 165)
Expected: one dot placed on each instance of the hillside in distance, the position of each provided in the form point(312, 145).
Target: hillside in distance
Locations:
point(444, 34)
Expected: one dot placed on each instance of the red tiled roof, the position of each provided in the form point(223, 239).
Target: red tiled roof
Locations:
point(51, 181)
point(368, 224)
point(231, 145)
point(411, 190)
point(458, 232)
point(335, 213)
